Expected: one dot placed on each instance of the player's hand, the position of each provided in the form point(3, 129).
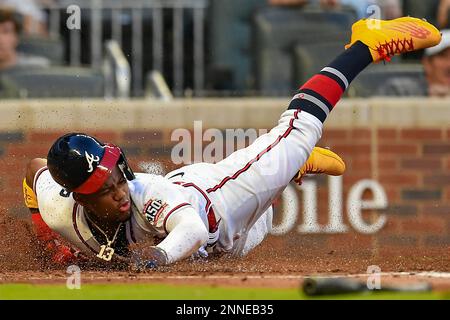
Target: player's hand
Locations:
point(64, 255)
point(147, 258)
point(200, 254)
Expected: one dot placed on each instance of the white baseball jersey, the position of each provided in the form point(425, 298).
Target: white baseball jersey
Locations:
point(154, 200)
point(233, 197)
point(242, 187)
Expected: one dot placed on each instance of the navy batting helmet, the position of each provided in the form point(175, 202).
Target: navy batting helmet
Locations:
point(82, 164)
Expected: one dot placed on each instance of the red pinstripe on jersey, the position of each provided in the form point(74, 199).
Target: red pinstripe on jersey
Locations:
point(213, 223)
point(249, 164)
point(36, 177)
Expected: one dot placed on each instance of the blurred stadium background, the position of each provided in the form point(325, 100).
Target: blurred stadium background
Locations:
point(136, 70)
point(199, 47)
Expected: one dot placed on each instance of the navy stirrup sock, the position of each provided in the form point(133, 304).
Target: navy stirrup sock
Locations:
point(319, 95)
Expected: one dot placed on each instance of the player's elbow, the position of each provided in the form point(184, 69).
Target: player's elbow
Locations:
point(204, 236)
point(187, 233)
point(189, 227)
point(32, 167)
point(199, 233)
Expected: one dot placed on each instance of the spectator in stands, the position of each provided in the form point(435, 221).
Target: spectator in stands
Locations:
point(435, 82)
point(442, 14)
point(10, 28)
point(390, 9)
point(436, 12)
point(34, 18)
point(436, 63)
point(288, 2)
point(360, 6)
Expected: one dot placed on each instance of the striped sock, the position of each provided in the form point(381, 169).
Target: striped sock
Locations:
point(319, 95)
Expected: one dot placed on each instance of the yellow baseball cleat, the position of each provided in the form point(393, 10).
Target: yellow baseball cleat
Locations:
point(393, 37)
point(321, 161)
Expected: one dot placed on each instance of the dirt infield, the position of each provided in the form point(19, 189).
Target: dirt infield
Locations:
point(270, 265)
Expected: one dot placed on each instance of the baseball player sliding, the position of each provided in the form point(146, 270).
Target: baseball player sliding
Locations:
point(85, 197)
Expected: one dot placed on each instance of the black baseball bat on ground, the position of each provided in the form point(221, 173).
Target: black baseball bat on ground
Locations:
point(331, 286)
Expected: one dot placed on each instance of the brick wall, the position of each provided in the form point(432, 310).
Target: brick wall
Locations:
point(412, 165)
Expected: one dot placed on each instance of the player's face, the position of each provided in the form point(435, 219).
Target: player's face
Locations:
point(112, 201)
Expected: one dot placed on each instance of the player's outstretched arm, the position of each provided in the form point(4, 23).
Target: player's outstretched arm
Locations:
point(50, 241)
point(186, 234)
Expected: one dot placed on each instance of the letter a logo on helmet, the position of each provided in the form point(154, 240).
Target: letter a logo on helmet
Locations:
point(90, 158)
point(80, 163)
